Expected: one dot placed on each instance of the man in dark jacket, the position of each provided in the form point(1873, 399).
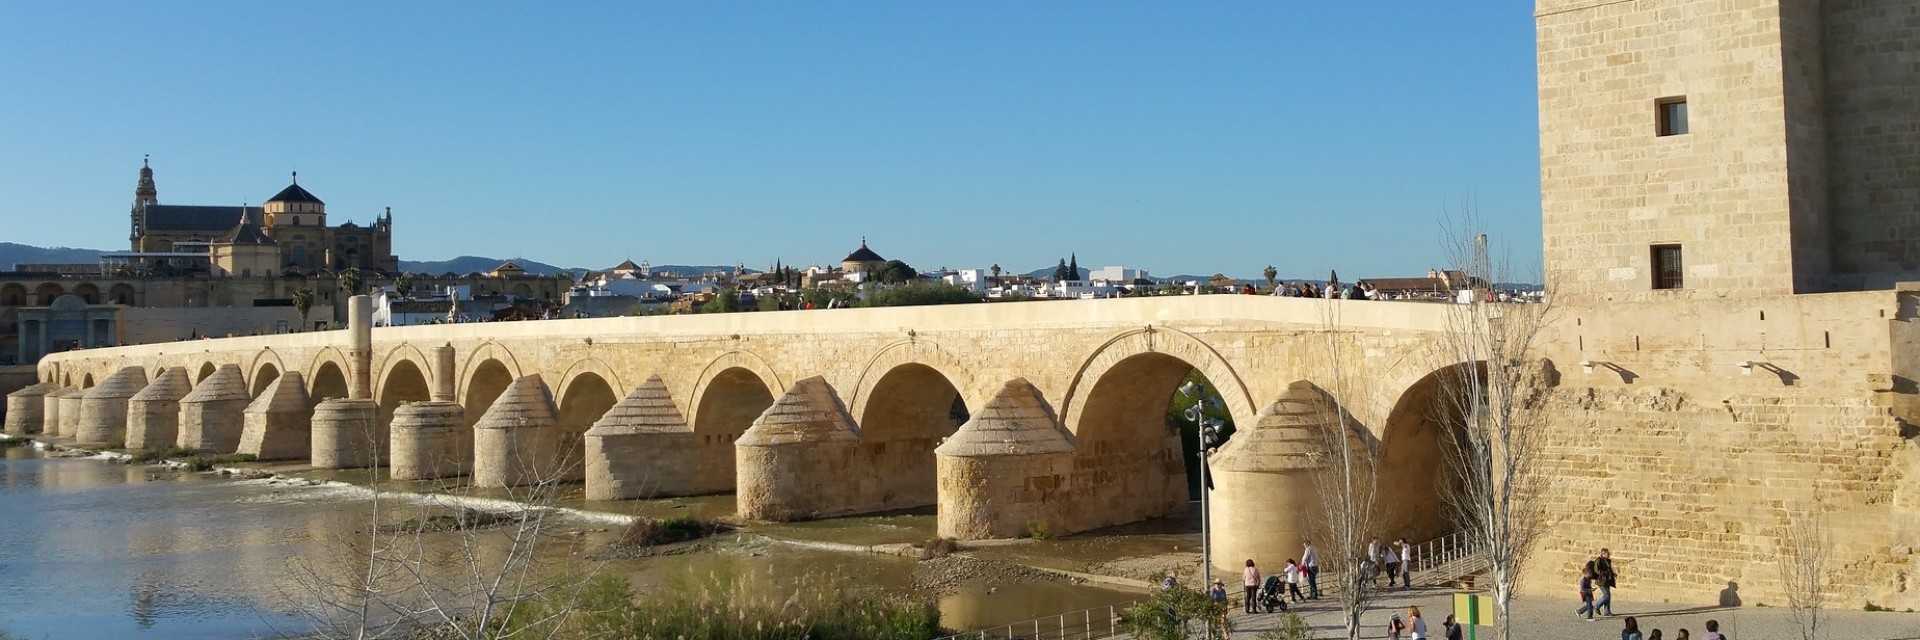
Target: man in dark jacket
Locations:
point(1604, 577)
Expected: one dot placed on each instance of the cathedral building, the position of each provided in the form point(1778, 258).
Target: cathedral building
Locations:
point(288, 232)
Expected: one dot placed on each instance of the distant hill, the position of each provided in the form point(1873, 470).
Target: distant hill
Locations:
point(470, 264)
point(12, 254)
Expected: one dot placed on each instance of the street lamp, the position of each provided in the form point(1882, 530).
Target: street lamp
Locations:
point(1209, 435)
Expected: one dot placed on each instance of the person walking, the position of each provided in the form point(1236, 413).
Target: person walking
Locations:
point(1417, 623)
point(1218, 593)
point(1631, 631)
point(1311, 559)
point(1250, 578)
point(1453, 629)
point(1391, 561)
point(1395, 627)
point(1293, 579)
point(1604, 575)
point(1682, 635)
point(1406, 564)
point(1654, 634)
point(1586, 594)
point(1713, 631)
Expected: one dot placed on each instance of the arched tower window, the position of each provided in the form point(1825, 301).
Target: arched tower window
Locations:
point(296, 221)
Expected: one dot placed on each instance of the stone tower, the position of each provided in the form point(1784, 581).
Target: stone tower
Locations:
point(1728, 148)
point(144, 193)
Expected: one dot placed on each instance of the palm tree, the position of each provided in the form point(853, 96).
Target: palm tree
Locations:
point(303, 302)
point(350, 281)
point(1271, 273)
point(996, 274)
point(404, 285)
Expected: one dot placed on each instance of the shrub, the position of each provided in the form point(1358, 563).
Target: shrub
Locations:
point(647, 532)
point(1039, 530)
point(721, 605)
point(937, 548)
point(1874, 607)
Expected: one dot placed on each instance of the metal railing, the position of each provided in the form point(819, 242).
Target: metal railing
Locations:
point(1456, 553)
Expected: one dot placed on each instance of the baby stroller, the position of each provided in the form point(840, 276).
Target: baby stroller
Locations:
point(1272, 594)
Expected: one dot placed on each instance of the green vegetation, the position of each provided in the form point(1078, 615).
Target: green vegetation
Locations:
point(920, 293)
point(350, 281)
point(726, 300)
point(895, 272)
point(15, 442)
point(647, 532)
point(193, 459)
point(1291, 627)
point(720, 606)
point(1874, 607)
point(1039, 530)
point(937, 548)
point(1165, 615)
point(462, 520)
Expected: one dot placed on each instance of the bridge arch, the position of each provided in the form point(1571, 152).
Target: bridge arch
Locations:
point(1129, 465)
point(404, 381)
point(86, 380)
point(403, 353)
point(206, 369)
point(911, 398)
point(918, 352)
point(327, 375)
point(594, 366)
point(490, 369)
point(732, 391)
point(586, 393)
point(1155, 341)
point(263, 370)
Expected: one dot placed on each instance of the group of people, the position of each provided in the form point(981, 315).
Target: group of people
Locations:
point(1414, 627)
point(1331, 291)
point(1631, 631)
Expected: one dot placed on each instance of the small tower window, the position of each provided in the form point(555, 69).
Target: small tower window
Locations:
point(1672, 114)
point(296, 221)
point(1667, 267)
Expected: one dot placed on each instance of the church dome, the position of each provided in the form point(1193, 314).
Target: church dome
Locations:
point(863, 254)
point(295, 193)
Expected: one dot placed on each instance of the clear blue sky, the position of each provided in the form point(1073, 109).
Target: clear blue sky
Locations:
point(1180, 137)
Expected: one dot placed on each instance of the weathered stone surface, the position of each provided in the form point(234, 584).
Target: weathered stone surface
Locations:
point(214, 413)
point(50, 409)
point(797, 461)
point(72, 408)
point(1006, 468)
point(279, 422)
point(153, 415)
point(103, 414)
point(517, 441)
point(26, 409)
point(347, 434)
point(1264, 501)
point(431, 440)
point(642, 448)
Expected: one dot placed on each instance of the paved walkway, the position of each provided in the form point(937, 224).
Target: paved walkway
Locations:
point(1544, 619)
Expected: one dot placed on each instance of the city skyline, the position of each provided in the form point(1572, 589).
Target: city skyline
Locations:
point(1186, 141)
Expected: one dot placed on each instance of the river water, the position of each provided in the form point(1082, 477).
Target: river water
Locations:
point(94, 549)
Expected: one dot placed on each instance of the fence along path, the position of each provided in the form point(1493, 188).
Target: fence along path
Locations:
point(1440, 561)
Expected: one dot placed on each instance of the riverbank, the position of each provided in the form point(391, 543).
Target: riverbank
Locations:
point(976, 585)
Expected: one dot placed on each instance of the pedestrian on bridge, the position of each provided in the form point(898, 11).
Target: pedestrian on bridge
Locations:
point(1250, 578)
point(1311, 559)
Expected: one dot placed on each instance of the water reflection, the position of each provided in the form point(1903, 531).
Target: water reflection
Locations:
point(195, 556)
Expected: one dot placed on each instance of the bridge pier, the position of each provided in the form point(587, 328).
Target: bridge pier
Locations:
point(153, 415)
point(278, 424)
point(430, 440)
point(50, 410)
point(517, 441)
point(347, 434)
point(72, 407)
point(641, 448)
point(1006, 467)
point(26, 409)
point(1265, 480)
point(103, 414)
point(799, 460)
point(214, 413)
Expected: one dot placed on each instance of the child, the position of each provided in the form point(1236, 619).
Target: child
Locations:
point(1586, 594)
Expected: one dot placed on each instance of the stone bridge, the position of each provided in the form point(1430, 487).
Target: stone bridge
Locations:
point(1002, 415)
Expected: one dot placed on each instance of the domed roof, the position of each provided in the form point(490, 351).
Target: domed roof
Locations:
point(863, 254)
point(294, 193)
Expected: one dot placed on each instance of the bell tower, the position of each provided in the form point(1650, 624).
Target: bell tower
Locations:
point(144, 193)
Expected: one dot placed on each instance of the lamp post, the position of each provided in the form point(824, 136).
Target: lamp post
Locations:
point(1209, 436)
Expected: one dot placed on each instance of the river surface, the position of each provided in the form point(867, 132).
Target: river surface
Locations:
point(94, 549)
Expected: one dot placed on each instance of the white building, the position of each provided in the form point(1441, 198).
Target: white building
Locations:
point(1117, 275)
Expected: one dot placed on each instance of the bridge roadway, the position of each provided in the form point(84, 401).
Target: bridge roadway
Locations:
point(820, 413)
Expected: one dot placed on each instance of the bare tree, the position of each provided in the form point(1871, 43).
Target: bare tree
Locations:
point(1492, 388)
point(1346, 480)
point(1806, 549)
point(453, 571)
